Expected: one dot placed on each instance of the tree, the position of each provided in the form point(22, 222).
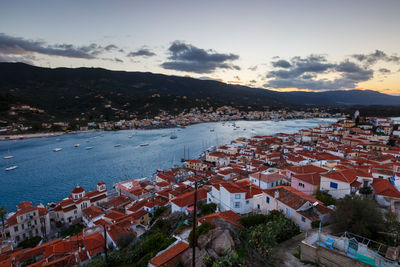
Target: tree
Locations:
point(358, 215)
point(208, 208)
point(326, 198)
point(3, 212)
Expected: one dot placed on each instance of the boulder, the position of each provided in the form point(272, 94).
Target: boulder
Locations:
point(223, 243)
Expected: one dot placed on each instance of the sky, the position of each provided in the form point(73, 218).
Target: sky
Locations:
point(311, 45)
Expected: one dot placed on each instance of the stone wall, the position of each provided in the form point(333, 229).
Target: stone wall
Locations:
point(327, 257)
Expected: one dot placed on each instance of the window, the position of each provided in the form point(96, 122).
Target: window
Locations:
point(247, 202)
point(34, 214)
point(258, 206)
point(15, 228)
point(237, 204)
point(303, 219)
point(237, 196)
point(287, 211)
point(333, 185)
point(23, 226)
point(267, 200)
point(301, 185)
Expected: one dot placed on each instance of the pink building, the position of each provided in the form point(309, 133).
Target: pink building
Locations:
point(307, 183)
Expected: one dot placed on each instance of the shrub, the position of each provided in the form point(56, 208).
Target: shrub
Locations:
point(30, 242)
point(159, 211)
point(315, 223)
point(125, 239)
point(253, 220)
point(326, 198)
point(72, 230)
point(208, 209)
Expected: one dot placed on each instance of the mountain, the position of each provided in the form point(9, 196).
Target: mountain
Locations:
point(66, 93)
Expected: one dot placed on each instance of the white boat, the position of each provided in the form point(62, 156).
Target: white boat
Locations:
point(88, 148)
point(8, 157)
point(13, 167)
point(117, 145)
point(173, 136)
point(57, 149)
point(76, 145)
point(130, 136)
point(145, 144)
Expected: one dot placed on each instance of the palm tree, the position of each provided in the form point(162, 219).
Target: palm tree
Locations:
point(3, 212)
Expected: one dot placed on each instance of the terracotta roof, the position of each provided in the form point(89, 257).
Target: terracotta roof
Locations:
point(310, 178)
point(78, 190)
point(187, 199)
point(170, 253)
point(94, 243)
point(92, 212)
point(347, 176)
point(295, 198)
point(306, 169)
point(385, 188)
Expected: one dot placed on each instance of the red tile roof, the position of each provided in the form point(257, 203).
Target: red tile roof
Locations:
point(78, 190)
point(385, 188)
point(310, 178)
point(170, 253)
point(187, 199)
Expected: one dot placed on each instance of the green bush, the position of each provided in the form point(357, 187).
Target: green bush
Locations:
point(208, 209)
point(159, 211)
point(253, 220)
point(315, 223)
point(30, 242)
point(72, 230)
point(326, 198)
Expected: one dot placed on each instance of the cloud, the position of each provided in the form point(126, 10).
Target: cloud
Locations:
point(378, 55)
point(253, 68)
point(281, 63)
point(252, 81)
point(19, 46)
point(186, 57)
point(143, 52)
point(237, 77)
point(118, 60)
point(384, 70)
point(28, 59)
point(303, 73)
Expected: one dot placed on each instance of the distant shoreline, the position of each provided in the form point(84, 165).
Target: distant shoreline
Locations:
point(55, 134)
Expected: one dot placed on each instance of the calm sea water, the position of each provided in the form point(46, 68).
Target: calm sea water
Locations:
point(45, 176)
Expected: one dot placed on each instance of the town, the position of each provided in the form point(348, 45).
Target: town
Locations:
point(333, 186)
point(23, 127)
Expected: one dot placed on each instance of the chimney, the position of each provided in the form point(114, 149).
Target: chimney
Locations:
point(276, 194)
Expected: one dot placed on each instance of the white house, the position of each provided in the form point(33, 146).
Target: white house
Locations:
point(237, 197)
point(267, 179)
point(345, 182)
point(296, 205)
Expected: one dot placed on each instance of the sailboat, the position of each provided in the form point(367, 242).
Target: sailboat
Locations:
point(173, 136)
point(57, 149)
point(8, 156)
point(12, 166)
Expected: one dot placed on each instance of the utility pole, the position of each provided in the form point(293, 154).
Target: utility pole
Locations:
point(105, 243)
point(194, 224)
